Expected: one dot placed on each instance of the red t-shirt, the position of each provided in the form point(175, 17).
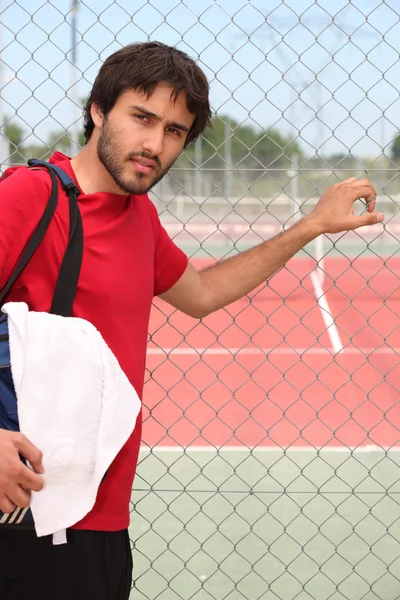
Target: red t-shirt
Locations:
point(128, 258)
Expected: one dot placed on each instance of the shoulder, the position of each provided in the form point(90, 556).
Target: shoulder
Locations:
point(24, 193)
point(25, 179)
point(23, 196)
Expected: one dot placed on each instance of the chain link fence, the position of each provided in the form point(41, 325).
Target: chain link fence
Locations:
point(270, 463)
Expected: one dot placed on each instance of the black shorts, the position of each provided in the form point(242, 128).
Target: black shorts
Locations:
point(93, 565)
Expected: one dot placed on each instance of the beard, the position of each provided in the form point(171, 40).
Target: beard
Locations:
point(110, 155)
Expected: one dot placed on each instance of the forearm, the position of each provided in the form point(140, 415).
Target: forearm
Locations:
point(199, 293)
point(235, 277)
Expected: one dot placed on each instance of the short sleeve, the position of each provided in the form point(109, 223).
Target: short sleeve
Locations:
point(23, 197)
point(170, 261)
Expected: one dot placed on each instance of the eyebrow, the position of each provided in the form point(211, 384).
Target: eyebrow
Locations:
point(152, 115)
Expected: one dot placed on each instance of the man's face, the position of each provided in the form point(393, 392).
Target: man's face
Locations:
point(141, 137)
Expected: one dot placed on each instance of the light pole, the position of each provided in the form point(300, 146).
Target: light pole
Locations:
point(198, 159)
point(228, 161)
point(76, 109)
point(4, 145)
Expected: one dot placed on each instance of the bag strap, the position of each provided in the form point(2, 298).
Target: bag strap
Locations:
point(67, 281)
point(65, 179)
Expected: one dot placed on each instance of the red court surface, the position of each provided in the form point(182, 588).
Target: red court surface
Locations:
point(266, 371)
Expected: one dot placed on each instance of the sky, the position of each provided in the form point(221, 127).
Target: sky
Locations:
point(325, 72)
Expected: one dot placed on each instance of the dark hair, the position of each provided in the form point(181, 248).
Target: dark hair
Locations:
point(141, 67)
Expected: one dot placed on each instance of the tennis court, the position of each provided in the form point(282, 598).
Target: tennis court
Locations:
point(270, 465)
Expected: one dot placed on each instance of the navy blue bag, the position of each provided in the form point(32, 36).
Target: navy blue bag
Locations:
point(63, 299)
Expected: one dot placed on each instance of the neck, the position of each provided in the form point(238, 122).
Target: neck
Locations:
point(91, 174)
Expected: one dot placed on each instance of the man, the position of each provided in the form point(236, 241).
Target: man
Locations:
point(149, 101)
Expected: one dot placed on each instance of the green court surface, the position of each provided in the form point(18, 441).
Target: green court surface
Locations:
point(267, 524)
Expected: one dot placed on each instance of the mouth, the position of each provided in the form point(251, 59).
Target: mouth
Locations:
point(144, 165)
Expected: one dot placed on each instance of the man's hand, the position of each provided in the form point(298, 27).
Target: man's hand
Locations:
point(334, 211)
point(16, 479)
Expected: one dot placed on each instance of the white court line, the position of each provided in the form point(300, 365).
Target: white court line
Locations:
point(326, 314)
point(331, 328)
point(253, 449)
point(266, 351)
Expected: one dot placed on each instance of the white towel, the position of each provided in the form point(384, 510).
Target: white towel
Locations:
point(74, 403)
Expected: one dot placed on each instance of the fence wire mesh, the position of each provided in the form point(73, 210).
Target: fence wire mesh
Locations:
point(270, 464)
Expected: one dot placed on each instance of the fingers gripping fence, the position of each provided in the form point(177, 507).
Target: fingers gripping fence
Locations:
point(270, 464)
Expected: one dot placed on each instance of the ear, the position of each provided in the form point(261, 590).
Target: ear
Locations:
point(96, 115)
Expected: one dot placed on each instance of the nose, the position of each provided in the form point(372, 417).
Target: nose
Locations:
point(154, 142)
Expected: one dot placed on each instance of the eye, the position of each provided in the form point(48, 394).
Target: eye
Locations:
point(174, 131)
point(142, 118)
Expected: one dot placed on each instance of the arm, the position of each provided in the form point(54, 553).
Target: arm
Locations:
point(198, 293)
point(23, 197)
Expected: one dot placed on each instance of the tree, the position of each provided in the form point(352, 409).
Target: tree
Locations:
point(15, 135)
point(272, 148)
point(33, 151)
point(253, 153)
point(248, 146)
point(61, 140)
point(395, 148)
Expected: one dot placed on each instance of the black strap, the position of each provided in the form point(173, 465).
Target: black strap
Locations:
point(65, 179)
point(68, 276)
point(67, 281)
